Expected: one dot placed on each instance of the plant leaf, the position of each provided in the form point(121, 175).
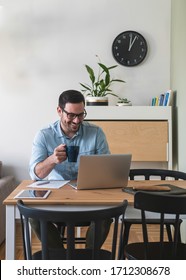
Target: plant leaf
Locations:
point(86, 86)
point(91, 73)
point(107, 79)
point(111, 67)
point(103, 67)
point(113, 94)
point(118, 80)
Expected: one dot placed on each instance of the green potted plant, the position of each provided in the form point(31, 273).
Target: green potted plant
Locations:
point(100, 86)
point(124, 102)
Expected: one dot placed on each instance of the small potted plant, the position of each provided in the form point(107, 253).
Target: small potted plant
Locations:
point(100, 87)
point(124, 102)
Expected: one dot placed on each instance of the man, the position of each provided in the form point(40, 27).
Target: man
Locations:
point(49, 157)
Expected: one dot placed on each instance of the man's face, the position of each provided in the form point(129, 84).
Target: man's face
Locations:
point(71, 117)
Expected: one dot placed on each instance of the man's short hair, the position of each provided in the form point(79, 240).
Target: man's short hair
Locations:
point(70, 96)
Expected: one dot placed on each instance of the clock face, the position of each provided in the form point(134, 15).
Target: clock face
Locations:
point(129, 48)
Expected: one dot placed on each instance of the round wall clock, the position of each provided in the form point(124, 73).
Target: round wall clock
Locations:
point(129, 48)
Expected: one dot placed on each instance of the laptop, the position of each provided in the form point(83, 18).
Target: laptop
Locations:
point(103, 171)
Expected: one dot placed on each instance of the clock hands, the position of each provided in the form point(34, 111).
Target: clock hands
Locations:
point(131, 42)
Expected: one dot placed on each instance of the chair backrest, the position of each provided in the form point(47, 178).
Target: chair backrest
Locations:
point(163, 204)
point(70, 219)
point(163, 174)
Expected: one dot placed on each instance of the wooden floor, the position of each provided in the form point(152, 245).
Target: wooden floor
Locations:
point(135, 236)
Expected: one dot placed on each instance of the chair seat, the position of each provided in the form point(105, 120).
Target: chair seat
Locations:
point(135, 251)
point(79, 254)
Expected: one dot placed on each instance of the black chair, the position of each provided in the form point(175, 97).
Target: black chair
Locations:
point(78, 239)
point(69, 218)
point(133, 216)
point(160, 250)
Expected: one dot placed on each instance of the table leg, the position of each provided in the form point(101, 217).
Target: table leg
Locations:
point(10, 232)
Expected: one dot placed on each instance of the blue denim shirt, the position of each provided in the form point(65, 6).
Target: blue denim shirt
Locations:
point(90, 139)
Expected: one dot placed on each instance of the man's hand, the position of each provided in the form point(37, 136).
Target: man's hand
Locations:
point(59, 154)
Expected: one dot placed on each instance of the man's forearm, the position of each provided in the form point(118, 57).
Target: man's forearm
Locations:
point(42, 169)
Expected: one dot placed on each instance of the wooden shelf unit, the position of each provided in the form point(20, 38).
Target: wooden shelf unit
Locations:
point(143, 131)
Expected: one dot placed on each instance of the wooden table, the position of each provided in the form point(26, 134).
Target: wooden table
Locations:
point(68, 198)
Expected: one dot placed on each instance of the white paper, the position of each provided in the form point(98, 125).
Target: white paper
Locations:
point(49, 184)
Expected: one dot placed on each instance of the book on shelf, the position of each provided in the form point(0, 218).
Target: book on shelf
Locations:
point(161, 99)
point(164, 99)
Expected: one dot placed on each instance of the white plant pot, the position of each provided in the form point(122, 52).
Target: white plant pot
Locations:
point(96, 101)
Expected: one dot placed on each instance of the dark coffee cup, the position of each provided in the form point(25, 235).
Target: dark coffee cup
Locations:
point(72, 153)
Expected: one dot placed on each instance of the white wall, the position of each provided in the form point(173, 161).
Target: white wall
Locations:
point(178, 74)
point(44, 45)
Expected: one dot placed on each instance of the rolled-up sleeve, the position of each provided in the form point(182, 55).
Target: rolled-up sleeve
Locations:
point(39, 153)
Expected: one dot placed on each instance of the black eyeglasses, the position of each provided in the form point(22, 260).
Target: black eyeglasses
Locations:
point(72, 116)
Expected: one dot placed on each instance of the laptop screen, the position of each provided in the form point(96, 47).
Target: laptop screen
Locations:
point(103, 171)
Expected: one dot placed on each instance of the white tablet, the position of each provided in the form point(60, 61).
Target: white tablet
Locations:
point(33, 194)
